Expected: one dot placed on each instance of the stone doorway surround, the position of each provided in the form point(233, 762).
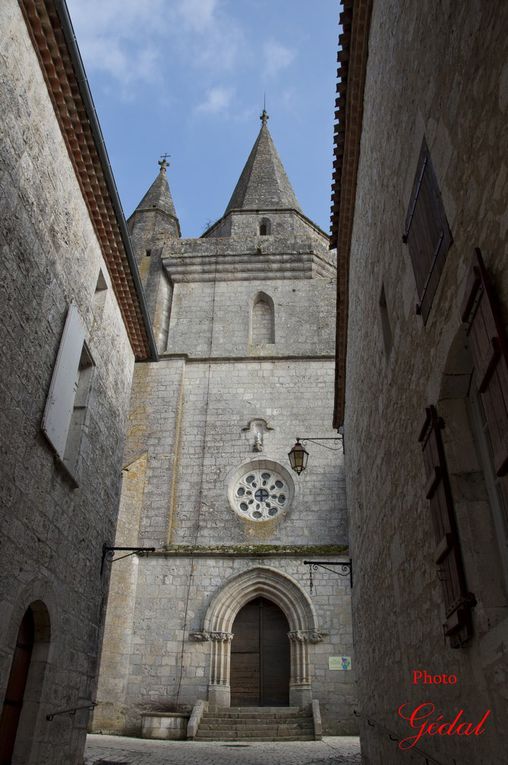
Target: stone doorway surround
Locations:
point(285, 592)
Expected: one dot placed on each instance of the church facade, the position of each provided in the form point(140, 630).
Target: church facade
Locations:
point(221, 611)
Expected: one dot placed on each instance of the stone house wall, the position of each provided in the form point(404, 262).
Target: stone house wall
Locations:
point(52, 533)
point(436, 70)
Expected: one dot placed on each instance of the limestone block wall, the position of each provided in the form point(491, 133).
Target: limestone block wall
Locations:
point(245, 224)
point(437, 70)
point(170, 670)
point(220, 399)
point(191, 429)
point(191, 419)
point(52, 534)
point(210, 319)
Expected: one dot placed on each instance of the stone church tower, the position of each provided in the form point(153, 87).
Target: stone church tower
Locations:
point(221, 611)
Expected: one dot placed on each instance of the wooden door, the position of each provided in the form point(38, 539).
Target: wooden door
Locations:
point(260, 656)
point(16, 688)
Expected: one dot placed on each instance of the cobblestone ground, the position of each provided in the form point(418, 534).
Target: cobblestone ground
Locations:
point(117, 750)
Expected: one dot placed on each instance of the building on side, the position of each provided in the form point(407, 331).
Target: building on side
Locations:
point(73, 322)
point(222, 613)
point(420, 225)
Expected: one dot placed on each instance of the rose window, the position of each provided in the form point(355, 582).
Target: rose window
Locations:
point(260, 494)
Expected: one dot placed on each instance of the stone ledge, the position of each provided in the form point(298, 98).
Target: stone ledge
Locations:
point(169, 726)
point(251, 551)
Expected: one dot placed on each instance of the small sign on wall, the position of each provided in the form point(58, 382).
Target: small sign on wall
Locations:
point(339, 662)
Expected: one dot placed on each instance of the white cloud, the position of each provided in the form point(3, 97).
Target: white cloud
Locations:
point(121, 38)
point(276, 57)
point(217, 100)
point(140, 42)
point(198, 14)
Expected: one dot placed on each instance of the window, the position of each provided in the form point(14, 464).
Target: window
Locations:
point(427, 233)
point(493, 482)
point(448, 556)
point(99, 298)
point(385, 322)
point(262, 320)
point(261, 491)
point(489, 350)
point(65, 412)
point(265, 227)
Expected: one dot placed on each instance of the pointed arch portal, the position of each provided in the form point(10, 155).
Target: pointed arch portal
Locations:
point(260, 656)
point(284, 593)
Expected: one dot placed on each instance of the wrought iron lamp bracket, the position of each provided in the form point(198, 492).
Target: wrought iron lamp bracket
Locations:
point(338, 439)
point(109, 552)
point(346, 569)
point(71, 712)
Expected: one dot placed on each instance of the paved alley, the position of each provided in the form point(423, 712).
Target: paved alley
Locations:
point(118, 750)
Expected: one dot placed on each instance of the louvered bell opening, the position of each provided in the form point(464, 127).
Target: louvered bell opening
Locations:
point(298, 457)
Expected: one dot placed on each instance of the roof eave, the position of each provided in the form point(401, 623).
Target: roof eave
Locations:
point(110, 226)
point(355, 20)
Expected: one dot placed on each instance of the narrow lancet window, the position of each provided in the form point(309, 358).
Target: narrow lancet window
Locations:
point(265, 227)
point(262, 320)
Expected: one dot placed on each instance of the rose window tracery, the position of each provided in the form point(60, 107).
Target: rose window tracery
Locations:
point(261, 494)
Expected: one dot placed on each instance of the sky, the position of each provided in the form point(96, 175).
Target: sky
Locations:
point(188, 77)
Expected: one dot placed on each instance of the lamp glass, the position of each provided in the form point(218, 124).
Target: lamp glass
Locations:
point(298, 457)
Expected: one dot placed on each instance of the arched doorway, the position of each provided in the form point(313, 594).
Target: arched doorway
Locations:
point(260, 656)
point(21, 704)
point(16, 684)
point(285, 592)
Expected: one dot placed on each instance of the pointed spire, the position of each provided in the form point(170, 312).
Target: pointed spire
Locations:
point(263, 184)
point(158, 195)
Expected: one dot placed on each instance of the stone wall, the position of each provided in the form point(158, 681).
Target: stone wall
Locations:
point(52, 533)
point(168, 670)
point(195, 415)
point(439, 71)
point(301, 311)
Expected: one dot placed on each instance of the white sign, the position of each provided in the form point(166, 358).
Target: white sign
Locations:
point(339, 662)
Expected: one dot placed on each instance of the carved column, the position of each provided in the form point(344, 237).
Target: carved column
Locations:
point(219, 689)
point(300, 687)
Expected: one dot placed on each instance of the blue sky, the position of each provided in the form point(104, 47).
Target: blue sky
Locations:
point(187, 77)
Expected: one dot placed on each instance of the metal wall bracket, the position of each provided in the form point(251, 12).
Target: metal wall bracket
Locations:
point(110, 551)
point(71, 712)
point(345, 566)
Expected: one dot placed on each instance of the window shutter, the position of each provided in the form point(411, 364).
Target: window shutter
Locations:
point(489, 347)
point(60, 402)
point(426, 232)
point(458, 602)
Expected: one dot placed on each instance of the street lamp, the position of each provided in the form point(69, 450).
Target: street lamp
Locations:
point(298, 456)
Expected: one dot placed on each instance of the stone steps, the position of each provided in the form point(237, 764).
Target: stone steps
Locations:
point(257, 724)
point(231, 737)
point(264, 712)
point(252, 727)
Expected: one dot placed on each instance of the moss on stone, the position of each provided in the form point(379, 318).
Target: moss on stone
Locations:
point(257, 550)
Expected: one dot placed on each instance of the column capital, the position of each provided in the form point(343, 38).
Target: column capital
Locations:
point(221, 637)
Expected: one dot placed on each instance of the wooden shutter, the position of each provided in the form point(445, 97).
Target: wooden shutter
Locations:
point(426, 232)
point(458, 602)
point(489, 347)
point(62, 391)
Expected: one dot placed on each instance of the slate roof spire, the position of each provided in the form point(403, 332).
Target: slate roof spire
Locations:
point(263, 184)
point(158, 196)
point(154, 220)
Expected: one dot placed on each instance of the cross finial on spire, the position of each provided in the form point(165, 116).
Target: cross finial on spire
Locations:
point(264, 114)
point(163, 162)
